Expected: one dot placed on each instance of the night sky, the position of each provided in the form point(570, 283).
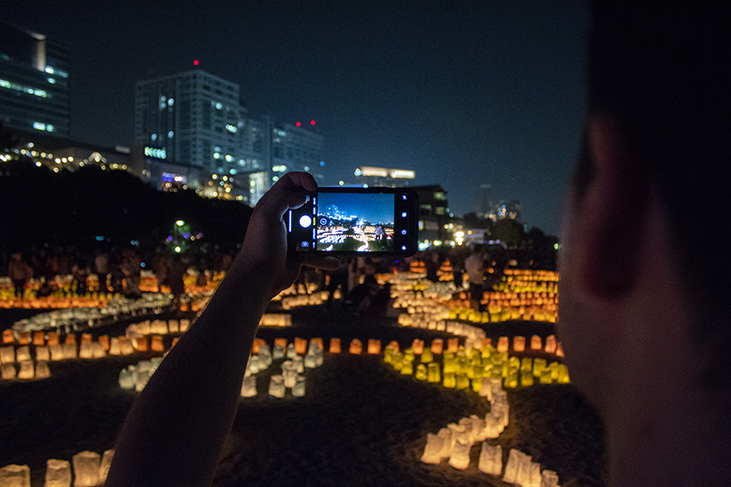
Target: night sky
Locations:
point(373, 208)
point(462, 92)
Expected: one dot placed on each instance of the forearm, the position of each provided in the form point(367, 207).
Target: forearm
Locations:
point(177, 426)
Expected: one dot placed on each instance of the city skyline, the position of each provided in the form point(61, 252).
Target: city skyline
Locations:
point(463, 94)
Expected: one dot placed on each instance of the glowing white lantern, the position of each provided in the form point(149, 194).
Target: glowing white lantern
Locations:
point(126, 347)
point(58, 473)
point(478, 425)
point(310, 361)
point(142, 374)
point(97, 350)
point(291, 351)
point(277, 351)
point(517, 470)
point(493, 427)
point(42, 353)
point(460, 457)
point(26, 370)
point(15, 475)
point(144, 327)
point(7, 354)
point(549, 478)
point(491, 459)
point(104, 466)
point(299, 386)
point(23, 353)
point(299, 364)
point(446, 434)
point(85, 351)
point(248, 388)
point(126, 378)
point(86, 469)
point(56, 352)
point(42, 370)
point(289, 373)
point(534, 475)
point(254, 365)
point(8, 371)
point(160, 327)
point(433, 449)
point(114, 348)
point(276, 386)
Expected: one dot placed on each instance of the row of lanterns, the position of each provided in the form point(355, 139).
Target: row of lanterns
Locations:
point(90, 469)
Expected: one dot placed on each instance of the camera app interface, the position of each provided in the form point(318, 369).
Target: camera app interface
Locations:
point(362, 222)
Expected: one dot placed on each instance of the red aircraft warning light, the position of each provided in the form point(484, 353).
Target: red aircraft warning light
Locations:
point(299, 124)
point(312, 122)
point(195, 63)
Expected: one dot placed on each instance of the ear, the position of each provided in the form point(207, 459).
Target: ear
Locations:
point(612, 211)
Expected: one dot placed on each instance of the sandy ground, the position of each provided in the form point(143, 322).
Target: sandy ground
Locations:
point(360, 423)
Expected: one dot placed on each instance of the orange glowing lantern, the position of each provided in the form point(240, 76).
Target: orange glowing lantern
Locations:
point(519, 344)
point(550, 344)
point(70, 340)
point(53, 339)
point(502, 344)
point(418, 346)
point(24, 338)
point(536, 343)
point(86, 338)
point(156, 344)
point(437, 346)
point(356, 346)
point(258, 342)
point(175, 341)
point(559, 350)
point(104, 340)
point(114, 347)
point(335, 345)
point(394, 346)
point(374, 347)
point(300, 346)
point(39, 338)
point(8, 336)
point(140, 344)
point(318, 342)
point(453, 345)
point(282, 342)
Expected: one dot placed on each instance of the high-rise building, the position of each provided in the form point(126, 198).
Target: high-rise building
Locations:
point(34, 81)
point(194, 129)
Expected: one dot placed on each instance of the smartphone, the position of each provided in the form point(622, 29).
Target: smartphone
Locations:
point(356, 221)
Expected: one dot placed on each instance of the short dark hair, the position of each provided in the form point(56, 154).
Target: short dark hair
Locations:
point(664, 70)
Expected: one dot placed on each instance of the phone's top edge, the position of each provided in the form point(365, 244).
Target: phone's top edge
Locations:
point(370, 189)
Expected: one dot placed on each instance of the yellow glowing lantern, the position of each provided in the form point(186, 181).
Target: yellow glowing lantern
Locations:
point(418, 346)
point(421, 372)
point(453, 345)
point(427, 356)
point(8, 336)
point(545, 376)
point(437, 346)
point(526, 379)
point(553, 368)
point(550, 344)
point(563, 374)
point(53, 339)
point(156, 344)
point(356, 347)
point(514, 363)
point(409, 354)
point(335, 345)
point(539, 365)
point(450, 380)
point(477, 384)
point(58, 473)
point(407, 368)
point(536, 343)
point(526, 365)
point(374, 346)
point(503, 344)
point(463, 382)
point(451, 365)
point(15, 475)
point(519, 344)
point(433, 373)
point(511, 381)
point(300, 346)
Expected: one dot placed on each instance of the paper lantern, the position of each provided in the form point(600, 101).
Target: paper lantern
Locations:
point(58, 473)
point(417, 346)
point(173, 326)
point(175, 342)
point(8, 336)
point(563, 374)
point(511, 381)
point(526, 364)
point(7, 371)
point(421, 372)
point(374, 347)
point(56, 352)
point(550, 344)
point(453, 345)
point(427, 356)
point(437, 346)
point(282, 342)
point(526, 379)
point(549, 478)
point(407, 367)
point(15, 475)
point(97, 350)
point(85, 351)
point(394, 345)
point(53, 339)
point(24, 338)
point(86, 338)
point(105, 465)
point(140, 343)
point(184, 325)
point(476, 384)
point(503, 344)
point(310, 361)
point(450, 380)
point(536, 343)
point(291, 351)
point(70, 339)
point(299, 386)
point(276, 386)
point(519, 344)
point(299, 364)
point(114, 347)
point(86, 469)
point(156, 344)
point(289, 373)
point(254, 365)
point(278, 352)
point(462, 381)
point(335, 345)
point(356, 346)
point(265, 356)
point(39, 338)
point(42, 370)
point(7, 354)
point(316, 342)
point(460, 457)
point(433, 449)
point(433, 374)
point(104, 341)
point(42, 353)
point(248, 388)
point(141, 375)
point(258, 342)
point(491, 459)
point(69, 351)
point(559, 350)
point(300, 346)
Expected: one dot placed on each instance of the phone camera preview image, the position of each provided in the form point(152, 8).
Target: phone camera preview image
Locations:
point(351, 221)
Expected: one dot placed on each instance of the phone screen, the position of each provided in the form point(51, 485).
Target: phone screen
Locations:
point(353, 221)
